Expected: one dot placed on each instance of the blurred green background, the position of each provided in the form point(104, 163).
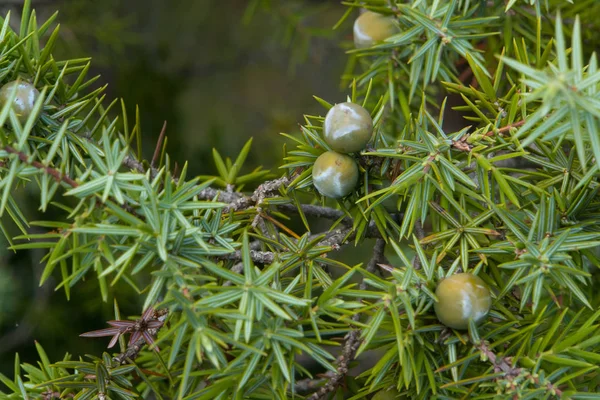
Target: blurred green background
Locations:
point(217, 77)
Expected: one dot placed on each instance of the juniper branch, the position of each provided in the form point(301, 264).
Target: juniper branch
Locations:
point(351, 343)
point(510, 371)
point(316, 211)
point(378, 258)
point(238, 201)
point(54, 173)
point(352, 338)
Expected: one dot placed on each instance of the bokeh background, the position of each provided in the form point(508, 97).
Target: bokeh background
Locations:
point(218, 74)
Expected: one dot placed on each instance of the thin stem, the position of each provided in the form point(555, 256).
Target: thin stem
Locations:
point(377, 258)
point(315, 211)
point(352, 338)
point(54, 173)
point(351, 343)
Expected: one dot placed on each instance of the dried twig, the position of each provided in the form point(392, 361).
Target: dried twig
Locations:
point(351, 343)
point(352, 338)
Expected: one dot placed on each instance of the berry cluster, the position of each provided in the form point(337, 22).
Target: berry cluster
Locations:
point(348, 127)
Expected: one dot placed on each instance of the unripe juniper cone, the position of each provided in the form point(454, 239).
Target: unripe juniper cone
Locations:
point(335, 175)
point(25, 98)
point(347, 128)
point(462, 297)
point(371, 27)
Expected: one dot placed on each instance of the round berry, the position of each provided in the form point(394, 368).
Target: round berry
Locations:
point(348, 127)
point(462, 297)
point(371, 27)
point(335, 175)
point(25, 98)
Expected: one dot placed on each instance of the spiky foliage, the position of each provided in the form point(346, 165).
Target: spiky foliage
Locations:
point(511, 197)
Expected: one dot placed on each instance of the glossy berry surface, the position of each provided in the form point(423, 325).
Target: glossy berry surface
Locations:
point(462, 297)
point(347, 128)
point(25, 98)
point(335, 175)
point(371, 27)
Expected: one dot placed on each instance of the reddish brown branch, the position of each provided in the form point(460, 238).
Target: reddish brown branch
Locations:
point(56, 174)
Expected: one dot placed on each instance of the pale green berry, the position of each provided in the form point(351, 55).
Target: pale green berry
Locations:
point(335, 175)
point(347, 128)
point(371, 28)
point(462, 297)
point(24, 100)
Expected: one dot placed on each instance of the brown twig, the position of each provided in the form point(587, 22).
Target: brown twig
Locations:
point(132, 163)
point(352, 338)
point(316, 211)
point(309, 385)
point(259, 257)
point(54, 173)
point(351, 343)
point(377, 258)
point(238, 201)
point(220, 195)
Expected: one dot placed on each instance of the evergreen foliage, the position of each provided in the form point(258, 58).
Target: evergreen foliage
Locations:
point(236, 300)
